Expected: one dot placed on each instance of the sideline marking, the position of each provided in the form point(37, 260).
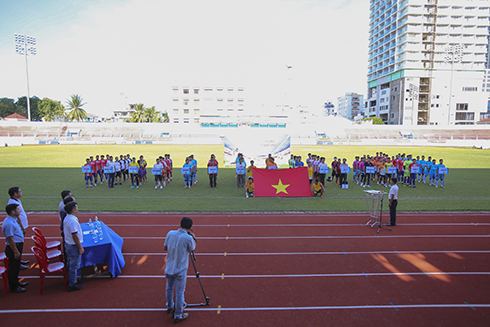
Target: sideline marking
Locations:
point(219, 311)
point(300, 237)
point(355, 307)
point(363, 274)
point(318, 253)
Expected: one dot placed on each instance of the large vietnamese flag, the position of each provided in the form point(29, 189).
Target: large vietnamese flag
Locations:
point(282, 182)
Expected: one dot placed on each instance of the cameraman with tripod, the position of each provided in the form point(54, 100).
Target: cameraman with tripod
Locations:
point(178, 243)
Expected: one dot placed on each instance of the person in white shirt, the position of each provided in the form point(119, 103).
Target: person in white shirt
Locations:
point(178, 244)
point(74, 249)
point(393, 197)
point(158, 177)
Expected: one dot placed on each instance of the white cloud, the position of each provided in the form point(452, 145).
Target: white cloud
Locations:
point(143, 47)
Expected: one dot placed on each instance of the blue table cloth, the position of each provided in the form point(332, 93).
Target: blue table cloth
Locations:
point(109, 249)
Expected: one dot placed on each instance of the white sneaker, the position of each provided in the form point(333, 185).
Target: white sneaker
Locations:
point(161, 186)
point(156, 187)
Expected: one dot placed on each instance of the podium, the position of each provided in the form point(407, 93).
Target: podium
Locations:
point(374, 201)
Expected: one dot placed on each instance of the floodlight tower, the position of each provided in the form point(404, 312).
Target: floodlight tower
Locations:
point(453, 54)
point(26, 45)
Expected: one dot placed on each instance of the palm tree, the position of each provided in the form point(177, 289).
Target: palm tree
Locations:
point(152, 116)
point(75, 105)
point(139, 115)
point(165, 117)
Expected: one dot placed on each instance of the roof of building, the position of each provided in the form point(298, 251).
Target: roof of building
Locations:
point(15, 116)
point(484, 121)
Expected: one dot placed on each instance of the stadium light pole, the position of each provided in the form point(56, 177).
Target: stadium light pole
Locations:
point(454, 54)
point(26, 45)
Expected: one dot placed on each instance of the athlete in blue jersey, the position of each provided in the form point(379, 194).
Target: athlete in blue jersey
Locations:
point(432, 167)
point(440, 176)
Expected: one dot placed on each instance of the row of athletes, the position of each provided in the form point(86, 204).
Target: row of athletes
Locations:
point(116, 170)
point(427, 170)
point(409, 170)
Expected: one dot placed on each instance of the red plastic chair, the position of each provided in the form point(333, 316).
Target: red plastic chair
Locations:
point(48, 268)
point(50, 255)
point(4, 271)
point(49, 245)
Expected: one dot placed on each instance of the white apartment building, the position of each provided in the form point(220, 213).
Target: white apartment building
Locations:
point(350, 105)
point(195, 105)
point(427, 60)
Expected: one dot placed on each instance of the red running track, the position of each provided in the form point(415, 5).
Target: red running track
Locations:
point(280, 270)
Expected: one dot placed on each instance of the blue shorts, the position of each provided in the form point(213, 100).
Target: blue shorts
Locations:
point(440, 176)
point(432, 175)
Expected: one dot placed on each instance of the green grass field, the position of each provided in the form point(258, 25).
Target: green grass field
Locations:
point(44, 171)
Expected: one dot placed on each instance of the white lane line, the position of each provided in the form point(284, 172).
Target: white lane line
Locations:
point(345, 307)
point(324, 253)
point(303, 237)
point(362, 274)
point(470, 224)
point(220, 254)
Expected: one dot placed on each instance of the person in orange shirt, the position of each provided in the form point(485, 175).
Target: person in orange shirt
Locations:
point(249, 187)
point(268, 160)
point(310, 171)
point(250, 169)
point(317, 188)
point(272, 164)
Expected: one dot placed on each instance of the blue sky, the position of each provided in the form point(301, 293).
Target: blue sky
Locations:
point(140, 48)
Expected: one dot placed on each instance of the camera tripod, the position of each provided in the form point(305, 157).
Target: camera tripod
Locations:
point(193, 258)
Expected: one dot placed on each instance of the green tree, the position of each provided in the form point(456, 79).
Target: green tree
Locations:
point(7, 107)
point(139, 115)
point(152, 116)
point(75, 105)
point(21, 107)
point(165, 117)
point(376, 120)
point(51, 109)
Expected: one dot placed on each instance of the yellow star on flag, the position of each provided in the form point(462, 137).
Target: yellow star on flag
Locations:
point(280, 187)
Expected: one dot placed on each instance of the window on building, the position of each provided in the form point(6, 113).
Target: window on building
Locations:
point(196, 120)
point(176, 120)
point(392, 115)
point(186, 120)
point(186, 91)
point(470, 89)
point(461, 106)
point(465, 116)
point(186, 111)
point(196, 91)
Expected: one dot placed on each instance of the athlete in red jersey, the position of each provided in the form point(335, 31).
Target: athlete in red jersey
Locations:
point(94, 169)
point(103, 163)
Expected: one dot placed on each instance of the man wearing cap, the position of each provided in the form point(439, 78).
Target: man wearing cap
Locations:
point(178, 243)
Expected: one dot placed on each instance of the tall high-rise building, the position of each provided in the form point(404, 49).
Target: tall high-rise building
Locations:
point(427, 60)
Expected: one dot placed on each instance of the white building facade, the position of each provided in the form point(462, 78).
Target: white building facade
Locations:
point(427, 61)
point(350, 106)
point(196, 105)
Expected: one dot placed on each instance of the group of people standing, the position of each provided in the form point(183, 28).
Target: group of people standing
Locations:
point(119, 169)
point(14, 229)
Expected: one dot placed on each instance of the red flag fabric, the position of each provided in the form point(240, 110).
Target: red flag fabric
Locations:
point(292, 182)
